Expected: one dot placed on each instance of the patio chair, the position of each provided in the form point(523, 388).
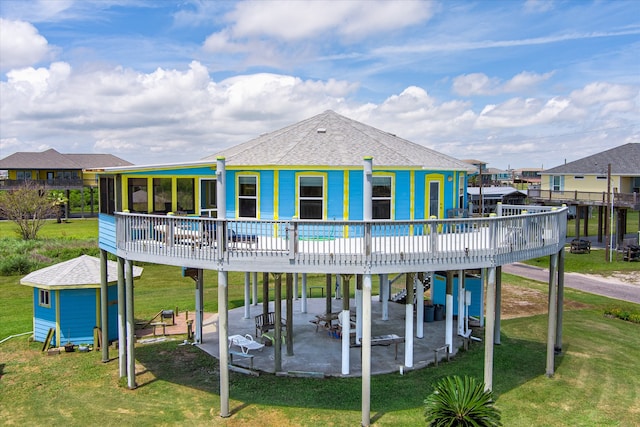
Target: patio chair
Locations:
point(245, 342)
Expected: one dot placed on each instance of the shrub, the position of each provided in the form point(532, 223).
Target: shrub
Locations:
point(458, 401)
point(16, 264)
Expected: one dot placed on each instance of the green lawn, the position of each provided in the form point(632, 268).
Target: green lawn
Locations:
point(632, 224)
point(596, 381)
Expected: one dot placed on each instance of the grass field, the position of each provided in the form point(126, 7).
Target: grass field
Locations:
point(595, 384)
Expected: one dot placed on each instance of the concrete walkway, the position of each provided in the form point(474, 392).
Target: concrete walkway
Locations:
point(584, 282)
point(319, 352)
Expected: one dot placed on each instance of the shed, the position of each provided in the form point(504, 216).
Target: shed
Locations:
point(66, 297)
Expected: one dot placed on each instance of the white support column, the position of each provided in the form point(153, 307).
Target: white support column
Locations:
point(295, 286)
point(346, 327)
point(553, 315)
point(104, 306)
point(461, 320)
point(254, 290)
point(483, 285)
point(303, 303)
point(223, 331)
point(558, 346)
point(247, 296)
point(359, 300)
point(199, 305)
point(496, 326)
point(489, 329)
point(131, 331)
point(408, 334)
point(384, 292)
point(420, 306)
point(448, 309)
point(366, 351)
point(122, 322)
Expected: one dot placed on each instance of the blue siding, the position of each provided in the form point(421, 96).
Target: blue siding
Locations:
point(335, 195)
point(403, 197)
point(355, 195)
point(107, 235)
point(204, 171)
point(77, 315)
point(472, 284)
point(44, 317)
point(113, 312)
point(287, 194)
point(419, 195)
point(266, 194)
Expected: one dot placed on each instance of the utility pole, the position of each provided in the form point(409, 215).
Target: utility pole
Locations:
point(607, 226)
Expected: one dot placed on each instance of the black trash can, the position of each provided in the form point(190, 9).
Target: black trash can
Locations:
point(438, 312)
point(429, 311)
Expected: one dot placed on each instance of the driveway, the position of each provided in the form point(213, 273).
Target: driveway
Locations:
point(612, 287)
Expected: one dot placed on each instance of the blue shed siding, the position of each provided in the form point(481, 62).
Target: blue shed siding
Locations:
point(77, 315)
point(44, 317)
point(107, 235)
point(472, 284)
point(112, 293)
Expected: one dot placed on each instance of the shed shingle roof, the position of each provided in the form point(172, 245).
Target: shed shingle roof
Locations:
point(624, 160)
point(330, 139)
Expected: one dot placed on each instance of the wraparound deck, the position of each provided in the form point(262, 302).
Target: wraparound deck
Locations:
point(345, 247)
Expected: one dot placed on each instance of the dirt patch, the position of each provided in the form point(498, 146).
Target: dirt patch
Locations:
point(523, 302)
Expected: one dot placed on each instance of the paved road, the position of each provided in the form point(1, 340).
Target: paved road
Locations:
point(583, 282)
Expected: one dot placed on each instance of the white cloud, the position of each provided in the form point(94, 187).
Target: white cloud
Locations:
point(21, 45)
point(598, 92)
point(481, 84)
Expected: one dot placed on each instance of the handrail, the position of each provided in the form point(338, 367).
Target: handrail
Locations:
point(623, 199)
point(342, 246)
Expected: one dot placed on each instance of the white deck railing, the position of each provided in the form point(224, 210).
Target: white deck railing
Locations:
point(342, 246)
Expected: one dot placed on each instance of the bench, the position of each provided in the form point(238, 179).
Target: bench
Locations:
point(444, 348)
point(579, 246)
point(385, 340)
point(265, 322)
point(156, 324)
point(243, 355)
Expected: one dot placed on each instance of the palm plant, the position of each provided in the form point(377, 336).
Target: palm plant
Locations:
point(459, 401)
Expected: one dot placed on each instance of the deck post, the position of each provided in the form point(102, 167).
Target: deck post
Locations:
point(359, 299)
point(384, 295)
point(328, 283)
point(560, 309)
point(408, 322)
point(461, 291)
point(489, 329)
point(277, 308)
point(254, 287)
point(289, 285)
point(295, 286)
point(122, 325)
point(448, 311)
point(199, 305)
point(247, 296)
point(366, 351)
point(104, 305)
point(420, 306)
point(265, 294)
point(496, 325)
point(303, 304)
point(131, 331)
point(223, 338)
point(553, 305)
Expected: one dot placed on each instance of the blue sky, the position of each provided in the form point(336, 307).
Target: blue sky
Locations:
point(512, 83)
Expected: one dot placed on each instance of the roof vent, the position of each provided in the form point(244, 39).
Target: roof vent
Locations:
point(322, 130)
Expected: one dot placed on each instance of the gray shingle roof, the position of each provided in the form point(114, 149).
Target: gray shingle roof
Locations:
point(80, 272)
point(625, 160)
point(51, 159)
point(330, 139)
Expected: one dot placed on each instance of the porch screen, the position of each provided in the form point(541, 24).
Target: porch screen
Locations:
point(247, 196)
point(138, 195)
point(311, 198)
point(162, 195)
point(186, 195)
point(381, 197)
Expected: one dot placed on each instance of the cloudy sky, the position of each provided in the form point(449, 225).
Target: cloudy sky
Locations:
point(512, 83)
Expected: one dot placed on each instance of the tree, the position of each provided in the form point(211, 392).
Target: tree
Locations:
point(459, 401)
point(29, 207)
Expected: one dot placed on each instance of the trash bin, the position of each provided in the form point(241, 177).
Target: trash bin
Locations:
point(428, 313)
point(438, 312)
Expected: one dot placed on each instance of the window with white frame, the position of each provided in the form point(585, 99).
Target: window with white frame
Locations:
point(311, 197)
point(381, 200)
point(44, 298)
point(555, 183)
point(247, 196)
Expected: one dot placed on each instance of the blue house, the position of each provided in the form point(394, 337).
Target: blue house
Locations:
point(66, 298)
point(326, 195)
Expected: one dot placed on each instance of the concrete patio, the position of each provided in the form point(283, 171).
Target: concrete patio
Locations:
point(319, 352)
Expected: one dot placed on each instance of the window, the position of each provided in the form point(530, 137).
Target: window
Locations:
point(43, 298)
point(578, 177)
point(162, 200)
point(107, 195)
point(138, 195)
point(23, 175)
point(208, 198)
point(186, 195)
point(555, 183)
point(247, 196)
point(381, 199)
point(311, 197)
point(601, 177)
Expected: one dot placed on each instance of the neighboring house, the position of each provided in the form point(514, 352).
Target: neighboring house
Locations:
point(529, 176)
point(326, 195)
point(499, 176)
point(492, 195)
point(55, 171)
point(479, 170)
point(608, 178)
